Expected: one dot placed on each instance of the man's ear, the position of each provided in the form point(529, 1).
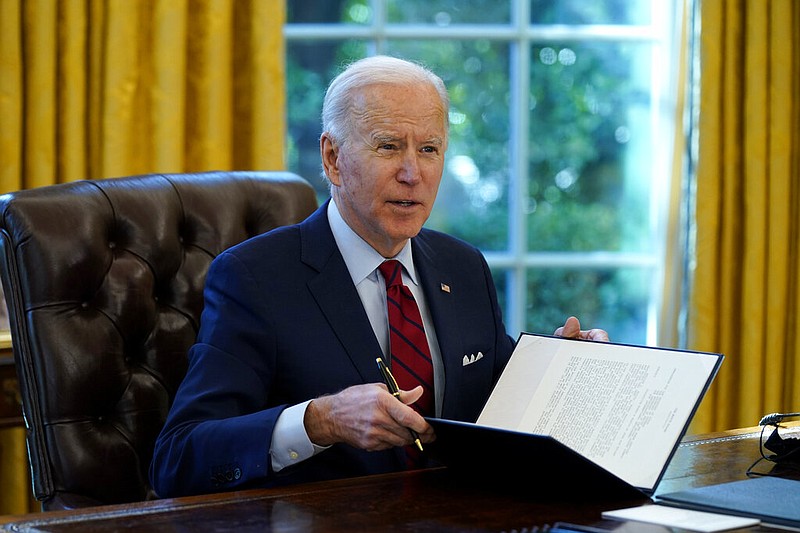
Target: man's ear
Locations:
point(329, 153)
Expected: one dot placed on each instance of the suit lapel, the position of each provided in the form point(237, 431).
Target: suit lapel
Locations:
point(336, 295)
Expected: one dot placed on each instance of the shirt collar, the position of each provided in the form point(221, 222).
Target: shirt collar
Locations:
point(362, 259)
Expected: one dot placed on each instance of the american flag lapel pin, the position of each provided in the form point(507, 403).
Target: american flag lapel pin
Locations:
point(445, 287)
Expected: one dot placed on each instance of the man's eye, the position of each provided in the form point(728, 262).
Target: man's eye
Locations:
point(430, 150)
point(386, 146)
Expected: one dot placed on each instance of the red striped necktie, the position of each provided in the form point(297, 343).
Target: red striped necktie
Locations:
point(411, 356)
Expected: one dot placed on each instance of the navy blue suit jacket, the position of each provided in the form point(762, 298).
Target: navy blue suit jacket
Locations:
point(283, 324)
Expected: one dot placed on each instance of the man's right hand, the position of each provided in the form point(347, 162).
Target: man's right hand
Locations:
point(367, 417)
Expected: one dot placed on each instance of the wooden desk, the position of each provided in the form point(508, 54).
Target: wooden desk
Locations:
point(429, 500)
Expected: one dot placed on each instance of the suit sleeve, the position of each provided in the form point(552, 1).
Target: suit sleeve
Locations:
point(218, 431)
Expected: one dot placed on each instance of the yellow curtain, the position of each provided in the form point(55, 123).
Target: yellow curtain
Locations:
point(106, 88)
point(745, 301)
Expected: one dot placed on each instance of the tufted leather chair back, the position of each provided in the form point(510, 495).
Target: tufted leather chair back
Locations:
point(103, 281)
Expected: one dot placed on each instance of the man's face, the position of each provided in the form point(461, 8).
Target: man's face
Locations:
point(386, 175)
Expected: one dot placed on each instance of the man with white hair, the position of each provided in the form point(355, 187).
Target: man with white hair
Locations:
point(283, 385)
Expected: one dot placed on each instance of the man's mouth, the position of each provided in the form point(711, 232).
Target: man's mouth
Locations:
point(404, 203)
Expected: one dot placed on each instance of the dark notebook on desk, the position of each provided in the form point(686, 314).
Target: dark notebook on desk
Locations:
point(773, 500)
point(580, 419)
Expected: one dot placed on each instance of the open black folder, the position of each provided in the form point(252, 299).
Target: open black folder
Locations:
point(579, 419)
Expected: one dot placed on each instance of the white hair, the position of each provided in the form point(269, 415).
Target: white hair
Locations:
point(338, 103)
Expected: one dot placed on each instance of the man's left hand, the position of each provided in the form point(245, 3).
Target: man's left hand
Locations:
point(572, 329)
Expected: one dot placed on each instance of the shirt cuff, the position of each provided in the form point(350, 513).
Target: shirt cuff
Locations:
point(290, 443)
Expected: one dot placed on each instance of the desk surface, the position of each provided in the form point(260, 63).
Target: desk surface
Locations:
point(431, 500)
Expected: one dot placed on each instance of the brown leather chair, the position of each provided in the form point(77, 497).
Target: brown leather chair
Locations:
point(103, 281)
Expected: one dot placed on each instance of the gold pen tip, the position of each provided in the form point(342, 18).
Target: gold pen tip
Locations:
point(419, 444)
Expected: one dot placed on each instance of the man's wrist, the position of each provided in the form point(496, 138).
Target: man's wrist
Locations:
point(316, 422)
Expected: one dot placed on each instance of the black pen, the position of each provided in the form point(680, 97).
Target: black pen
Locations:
point(391, 384)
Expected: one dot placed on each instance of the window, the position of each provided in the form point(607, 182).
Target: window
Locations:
point(562, 116)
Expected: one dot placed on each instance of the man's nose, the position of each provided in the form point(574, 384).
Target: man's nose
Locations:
point(409, 170)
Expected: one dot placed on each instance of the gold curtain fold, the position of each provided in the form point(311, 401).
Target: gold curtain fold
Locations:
point(106, 88)
point(745, 300)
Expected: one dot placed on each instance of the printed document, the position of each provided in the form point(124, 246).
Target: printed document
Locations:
point(624, 407)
